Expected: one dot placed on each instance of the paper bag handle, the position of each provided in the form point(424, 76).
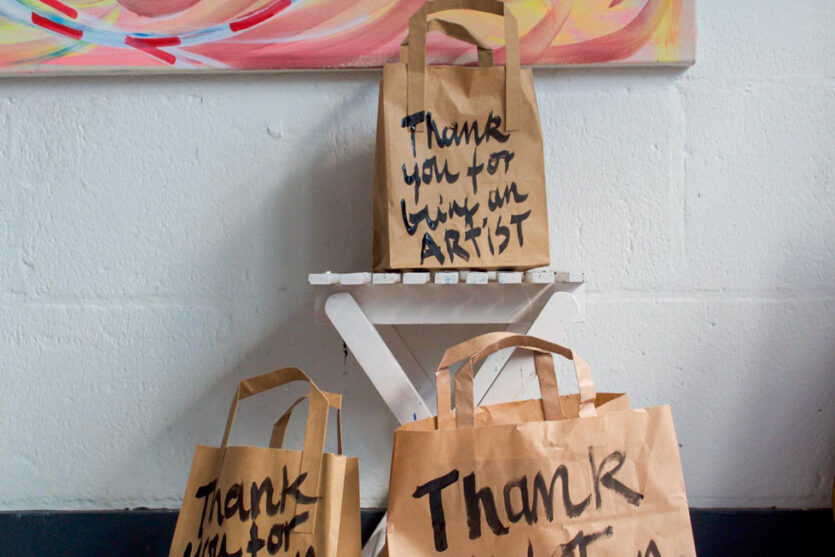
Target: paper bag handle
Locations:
point(418, 26)
point(453, 355)
point(542, 357)
point(456, 31)
point(544, 372)
point(465, 408)
point(280, 427)
point(314, 438)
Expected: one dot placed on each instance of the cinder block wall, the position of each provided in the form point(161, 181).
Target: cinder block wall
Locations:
point(156, 234)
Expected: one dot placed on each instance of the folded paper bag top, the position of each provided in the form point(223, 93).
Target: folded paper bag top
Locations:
point(459, 172)
point(273, 499)
point(561, 475)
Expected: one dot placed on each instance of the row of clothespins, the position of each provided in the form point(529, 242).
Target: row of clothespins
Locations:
point(446, 277)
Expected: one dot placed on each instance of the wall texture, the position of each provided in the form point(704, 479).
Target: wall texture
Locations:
point(156, 234)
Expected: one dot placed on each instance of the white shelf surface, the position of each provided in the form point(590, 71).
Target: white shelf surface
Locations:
point(433, 303)
point(535, 276)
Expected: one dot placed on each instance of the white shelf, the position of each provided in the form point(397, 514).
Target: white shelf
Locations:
point(536, 276)
point(450, 304)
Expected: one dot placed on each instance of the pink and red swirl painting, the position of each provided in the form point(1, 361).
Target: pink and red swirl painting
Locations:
point(89, 36)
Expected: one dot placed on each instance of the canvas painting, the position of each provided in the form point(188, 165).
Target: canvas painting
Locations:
point(134, 36)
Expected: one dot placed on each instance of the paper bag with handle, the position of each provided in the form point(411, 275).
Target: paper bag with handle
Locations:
point(460, 177)
point(514, 412)
point(273, 501)
point(584, 479)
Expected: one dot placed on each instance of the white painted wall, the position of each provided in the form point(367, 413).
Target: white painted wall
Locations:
point(156, 234)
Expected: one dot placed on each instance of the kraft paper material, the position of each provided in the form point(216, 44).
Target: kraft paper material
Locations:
point(273, 501)
point(593, 478)
point(459, 171)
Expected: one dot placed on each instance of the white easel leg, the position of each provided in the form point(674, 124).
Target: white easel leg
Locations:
point(377, 541)
point(423, 381)
point(375, 358)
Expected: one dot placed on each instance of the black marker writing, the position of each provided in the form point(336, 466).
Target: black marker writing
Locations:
point(496, 158)
point(443, 238)
point(425, 173)
point(529, 506)
point(652, 550)
point(474, 170)
point(472, 235)
point(277, 541)
point(502, 231)
point(522, 499)
point(219, 507)
point(436, 505)
point(255, 544)
point(497, 200)
point(489, 238)
point(412, 220)
point(457, 210)
point(410, 122)
point(608, 480)
point(581, 541)
point(279, 532)
point(474, 500)
point(430, 249)
point(451, 238)
point(205, 491)
point(468, 132)
point(518, 220)
point(234, 499)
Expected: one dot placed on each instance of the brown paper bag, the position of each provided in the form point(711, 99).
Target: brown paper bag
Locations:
point(272, 500)
point(515, 412)
point(460, 176)
point(596, 482)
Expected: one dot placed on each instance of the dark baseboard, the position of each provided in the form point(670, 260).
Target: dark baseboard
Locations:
point(147, 532)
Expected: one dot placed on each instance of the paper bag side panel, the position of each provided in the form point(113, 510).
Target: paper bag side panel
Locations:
point(350, 529)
